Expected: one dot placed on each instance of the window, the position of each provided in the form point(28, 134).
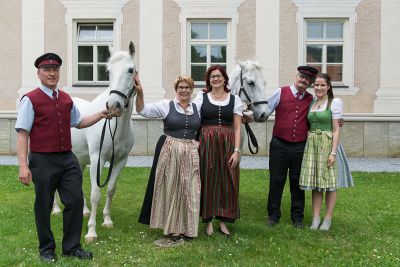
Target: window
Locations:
point(208, 46)
point(92, 53)
point(324, 47)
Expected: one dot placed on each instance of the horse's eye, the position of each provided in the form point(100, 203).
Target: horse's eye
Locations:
point(250, 83)
point(130, 70)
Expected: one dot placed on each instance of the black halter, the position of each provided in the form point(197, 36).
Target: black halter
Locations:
point(127, 97)
point(251, 138)
point(250, 103)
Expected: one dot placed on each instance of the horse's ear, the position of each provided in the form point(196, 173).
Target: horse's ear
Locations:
point(111, 49)
point(242, 64)
point(131, 48)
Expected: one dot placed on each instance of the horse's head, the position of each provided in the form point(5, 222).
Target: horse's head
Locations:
point(248, 82)
point(121, 69)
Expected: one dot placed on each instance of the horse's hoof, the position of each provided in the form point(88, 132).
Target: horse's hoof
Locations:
point(108, 225)
point(86, 213)
point(56, 212)
point(90, 239)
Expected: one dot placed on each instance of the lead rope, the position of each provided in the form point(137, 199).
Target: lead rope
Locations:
point(251, 138)
point(112, 155)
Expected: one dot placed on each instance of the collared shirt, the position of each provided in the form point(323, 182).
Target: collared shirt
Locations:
point(26, 114)
point(160, 109)
point(275, 98)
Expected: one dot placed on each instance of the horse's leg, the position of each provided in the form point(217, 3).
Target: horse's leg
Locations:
point(86, 211)
point(56, 206)
point(91, 236)
point(111, 191)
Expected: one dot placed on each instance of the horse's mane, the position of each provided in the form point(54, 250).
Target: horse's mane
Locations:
point(117, 56)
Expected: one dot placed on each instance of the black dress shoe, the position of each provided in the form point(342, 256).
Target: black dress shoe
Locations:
point(79, 253)
point(174, 238)
point(298, 224)
point(48, 257)
point(272, 223)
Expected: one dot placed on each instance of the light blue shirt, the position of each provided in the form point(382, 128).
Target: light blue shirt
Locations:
point(275, 98)
point(26, 113)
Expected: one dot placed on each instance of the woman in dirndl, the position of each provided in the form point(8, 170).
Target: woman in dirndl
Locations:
point(319, 171)
point(219, 149)
point(175, 200)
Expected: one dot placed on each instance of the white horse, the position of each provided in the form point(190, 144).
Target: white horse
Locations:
point(248, 74)
point(86, 142)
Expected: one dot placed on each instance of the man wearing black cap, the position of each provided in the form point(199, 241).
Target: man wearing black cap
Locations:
point(45, 116)
point(289, 135)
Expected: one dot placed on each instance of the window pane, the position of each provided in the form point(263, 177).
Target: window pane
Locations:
point(218, 53)
point(335, 71)
point(335, 54)
point(102, 53)
point(334, 30)
point(85, 53)
point(102, 73)
point(105, 32)
point(198, 72)
point(86, 33)
point(314, 53)
point(199, 31)
point(199, 53)
point(85, 72)
point(218, 30)
point(318, 67)
point(315, 30)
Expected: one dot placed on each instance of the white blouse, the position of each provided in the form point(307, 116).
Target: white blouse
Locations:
point(160, 109)
point(237, 109)
point(336, 108)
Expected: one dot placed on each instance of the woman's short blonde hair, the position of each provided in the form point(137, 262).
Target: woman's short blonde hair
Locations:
point(184, 78)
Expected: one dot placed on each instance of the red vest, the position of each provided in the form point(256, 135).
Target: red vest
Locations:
point(291, 122)
point(51, 130)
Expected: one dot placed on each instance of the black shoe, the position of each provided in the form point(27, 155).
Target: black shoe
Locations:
point(298, 224)
point(48, 257)
point(186, 238)
point(272, 223)
point(79, 253)
point(174, 238)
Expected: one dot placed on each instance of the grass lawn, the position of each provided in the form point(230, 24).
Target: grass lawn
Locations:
point(365, 229)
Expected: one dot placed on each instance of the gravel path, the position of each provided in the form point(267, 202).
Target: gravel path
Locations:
point(248, 162)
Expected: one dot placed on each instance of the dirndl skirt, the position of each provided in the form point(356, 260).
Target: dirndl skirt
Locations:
point(315, 174)
point(344, 175)
point(176, 197)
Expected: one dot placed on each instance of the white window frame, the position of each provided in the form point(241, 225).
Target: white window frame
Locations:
point(206, 42)
point(95, 62)
point(338, 9)
point(324, 42)
point(208, 10)
point(89, 11)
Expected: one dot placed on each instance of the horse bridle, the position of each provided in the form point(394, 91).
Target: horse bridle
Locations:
point(251, 103)
point(112, 134)
point(126, 97)
point(251, 138)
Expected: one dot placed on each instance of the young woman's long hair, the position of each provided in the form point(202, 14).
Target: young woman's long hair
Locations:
point(224, 74)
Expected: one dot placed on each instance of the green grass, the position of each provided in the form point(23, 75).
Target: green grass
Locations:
point(365, 228)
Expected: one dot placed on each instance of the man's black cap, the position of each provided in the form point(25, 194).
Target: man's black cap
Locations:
point(48, 59)
point(308, 72)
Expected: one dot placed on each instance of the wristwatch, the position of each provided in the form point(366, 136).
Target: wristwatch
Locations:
point(236, 149)
point(333, 154)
